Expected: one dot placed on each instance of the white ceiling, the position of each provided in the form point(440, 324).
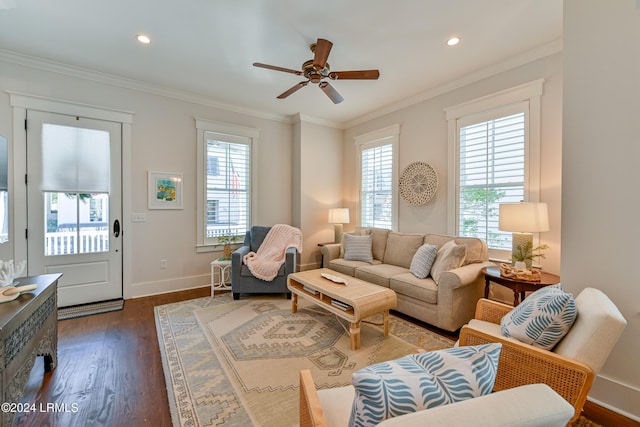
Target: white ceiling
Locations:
point(207, 47)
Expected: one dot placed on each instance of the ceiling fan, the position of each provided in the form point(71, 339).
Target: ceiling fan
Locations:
point(317, 69)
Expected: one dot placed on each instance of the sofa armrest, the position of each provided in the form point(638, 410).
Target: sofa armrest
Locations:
point(329, 252)
point(236, 262)
point(491, 311)
point(522, 364)
point(462, 276)
point(290, 263)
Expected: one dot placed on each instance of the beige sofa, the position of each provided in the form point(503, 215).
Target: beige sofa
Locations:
point(447, 305)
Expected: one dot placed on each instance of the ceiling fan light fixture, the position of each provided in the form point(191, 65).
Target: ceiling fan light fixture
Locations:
point(144, 39)
point(452, 41)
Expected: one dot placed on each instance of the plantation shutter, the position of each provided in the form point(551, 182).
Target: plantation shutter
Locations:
point(491, 171)
point(227, 185)
point(377, 186)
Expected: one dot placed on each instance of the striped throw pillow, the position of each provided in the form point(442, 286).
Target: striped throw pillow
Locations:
point(423, 260)
point(358, 248)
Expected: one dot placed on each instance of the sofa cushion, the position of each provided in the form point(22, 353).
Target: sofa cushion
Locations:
point(379, 274)
point(542, 319)
point(476, 248)
point(423, 260)
point(418, 289)
point(348, 267)
point(379, 245)
point(401, 247)
point(449, 256)
point(358, 248)
point(421, 381)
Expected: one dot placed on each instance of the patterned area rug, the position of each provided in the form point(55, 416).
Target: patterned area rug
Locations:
point(236, 363)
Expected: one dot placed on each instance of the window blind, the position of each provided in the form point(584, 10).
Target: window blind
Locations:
point(492, 171)
point(227, 185)
point(377, 186)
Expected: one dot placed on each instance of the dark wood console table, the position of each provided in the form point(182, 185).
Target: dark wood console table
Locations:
point(28, 328)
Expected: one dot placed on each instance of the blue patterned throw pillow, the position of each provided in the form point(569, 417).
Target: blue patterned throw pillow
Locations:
point(423, 260)
point(421, 381)
point(542, 319)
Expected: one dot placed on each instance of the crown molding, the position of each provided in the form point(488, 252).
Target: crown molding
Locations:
point(513, 62)
point(114, 80)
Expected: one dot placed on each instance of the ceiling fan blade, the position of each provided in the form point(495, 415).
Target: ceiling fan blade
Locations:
point(355, 75)
point(293, 89)
point(273, 67)
point(321, 53)
point(331, 92)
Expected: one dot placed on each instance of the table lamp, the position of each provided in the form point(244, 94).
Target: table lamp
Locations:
point(523, 219)
point(338, 216)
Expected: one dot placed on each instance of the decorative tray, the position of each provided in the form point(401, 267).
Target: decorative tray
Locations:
point(509, 271)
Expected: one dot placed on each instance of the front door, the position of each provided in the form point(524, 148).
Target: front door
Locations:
point(74, 205)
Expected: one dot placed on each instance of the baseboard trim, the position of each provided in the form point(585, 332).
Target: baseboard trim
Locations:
point(606, 417)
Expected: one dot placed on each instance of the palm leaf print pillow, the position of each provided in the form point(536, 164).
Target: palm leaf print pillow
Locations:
point(542, 319)
point(421, 381)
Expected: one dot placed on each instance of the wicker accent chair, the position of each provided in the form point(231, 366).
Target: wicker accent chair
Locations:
point(509, 408)
point(571, 366)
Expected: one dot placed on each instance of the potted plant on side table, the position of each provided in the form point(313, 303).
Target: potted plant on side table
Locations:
point(230, 243)
point(523, 255)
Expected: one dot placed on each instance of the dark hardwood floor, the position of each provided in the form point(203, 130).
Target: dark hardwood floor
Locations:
point(109, 372)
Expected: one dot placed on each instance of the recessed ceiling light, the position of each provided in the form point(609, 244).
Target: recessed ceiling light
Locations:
point(452, 41)
point(143, 39)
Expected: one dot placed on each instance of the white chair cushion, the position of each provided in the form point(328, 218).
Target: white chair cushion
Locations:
point(597, 328)
point(336, 405)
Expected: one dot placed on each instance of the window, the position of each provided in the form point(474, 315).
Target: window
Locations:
point(225, 177)
point(377, 163)
point(496, 145)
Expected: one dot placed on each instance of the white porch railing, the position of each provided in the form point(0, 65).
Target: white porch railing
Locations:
point(69, 242)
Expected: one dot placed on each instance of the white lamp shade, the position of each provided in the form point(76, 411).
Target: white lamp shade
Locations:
point(524, 217)
point(339, 216)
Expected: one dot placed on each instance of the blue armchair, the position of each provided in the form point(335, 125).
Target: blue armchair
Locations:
point(243, 282)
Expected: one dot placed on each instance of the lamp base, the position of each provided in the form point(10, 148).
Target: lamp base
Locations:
point(521, 241)
point(338, 233)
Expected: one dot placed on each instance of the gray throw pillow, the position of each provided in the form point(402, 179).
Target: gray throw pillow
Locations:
point(423, 260)
point(358, 248)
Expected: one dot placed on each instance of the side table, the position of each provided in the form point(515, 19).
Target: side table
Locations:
point(519, 287)
point(223, 267)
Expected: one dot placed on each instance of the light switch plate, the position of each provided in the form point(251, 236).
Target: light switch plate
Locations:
point(138, 217)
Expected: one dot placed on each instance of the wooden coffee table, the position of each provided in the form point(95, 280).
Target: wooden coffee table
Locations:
point(362, 299)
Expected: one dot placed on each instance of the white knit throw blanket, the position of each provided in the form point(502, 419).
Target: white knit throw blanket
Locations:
point(271, 254)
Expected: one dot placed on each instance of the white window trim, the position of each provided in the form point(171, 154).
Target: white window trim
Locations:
point(202, 126)
point(384, 136)
point(530, 93)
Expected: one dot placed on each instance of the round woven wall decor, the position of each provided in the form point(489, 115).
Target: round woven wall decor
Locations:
point(418, 183)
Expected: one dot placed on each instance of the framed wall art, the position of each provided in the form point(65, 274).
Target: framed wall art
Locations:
point(165, 190)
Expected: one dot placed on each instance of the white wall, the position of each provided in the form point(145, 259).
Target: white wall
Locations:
point(318, 152)
point(423, 137)
point(163, 139)
point(601, 199)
